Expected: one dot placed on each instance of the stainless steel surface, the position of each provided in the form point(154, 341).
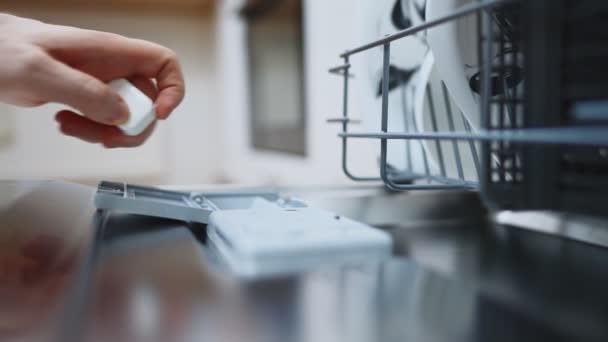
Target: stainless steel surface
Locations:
point(456, 277)
point(46, 234)
point(583, 228)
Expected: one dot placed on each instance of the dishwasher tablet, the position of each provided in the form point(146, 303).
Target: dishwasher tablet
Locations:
point(141, 108)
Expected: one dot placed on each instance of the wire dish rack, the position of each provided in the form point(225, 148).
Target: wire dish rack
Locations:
point(531, 151)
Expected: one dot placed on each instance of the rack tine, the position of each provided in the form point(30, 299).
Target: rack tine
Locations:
point(507, 98)
point(408, 147)
point(452, 129)
point(341, 70)
point(425, 158)
point(510, 106)
point(486, 84)
point(429, 97)
point(508, 175)
point(485, 54)
point(502, 71)
point(501, 118)
point(342, 120)
point(384, 120)
point(472, 146)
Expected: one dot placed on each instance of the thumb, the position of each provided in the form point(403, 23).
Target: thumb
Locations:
point(94, 99)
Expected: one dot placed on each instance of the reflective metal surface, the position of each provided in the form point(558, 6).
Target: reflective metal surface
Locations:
point(458, 278)
point(45, 235)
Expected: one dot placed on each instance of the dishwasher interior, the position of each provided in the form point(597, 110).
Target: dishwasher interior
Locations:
point(503, 121)
point(525, 130)
point(454, 204)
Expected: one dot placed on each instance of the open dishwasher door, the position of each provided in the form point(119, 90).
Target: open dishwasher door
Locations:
point(450, 277)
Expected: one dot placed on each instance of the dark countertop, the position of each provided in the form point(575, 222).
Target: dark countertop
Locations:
point(70, 274)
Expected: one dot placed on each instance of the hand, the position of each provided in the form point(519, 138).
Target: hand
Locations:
point(42, 63)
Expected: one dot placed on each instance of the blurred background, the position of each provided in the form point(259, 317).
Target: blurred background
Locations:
point(258, 95)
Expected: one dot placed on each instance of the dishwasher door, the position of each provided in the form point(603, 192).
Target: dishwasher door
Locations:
point(138, 278)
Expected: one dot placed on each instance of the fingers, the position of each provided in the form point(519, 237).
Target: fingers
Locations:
point(154, 61)
point(109, 56)
point(121, 140)
point(171, 86)
point(146, 85)
point(77, 126)
point(57, 82)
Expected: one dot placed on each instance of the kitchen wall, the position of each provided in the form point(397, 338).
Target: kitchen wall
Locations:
point(329, 27)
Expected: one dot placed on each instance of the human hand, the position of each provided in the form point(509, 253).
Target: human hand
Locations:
point(42, 63)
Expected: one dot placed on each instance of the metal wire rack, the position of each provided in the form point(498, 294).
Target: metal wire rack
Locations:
point(510, 127)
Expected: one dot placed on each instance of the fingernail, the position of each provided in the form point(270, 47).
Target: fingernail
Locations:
point(119, 119)
point(159, 113)
point(121, 116)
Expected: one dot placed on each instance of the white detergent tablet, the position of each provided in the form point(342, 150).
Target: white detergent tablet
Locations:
point(141, 108)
